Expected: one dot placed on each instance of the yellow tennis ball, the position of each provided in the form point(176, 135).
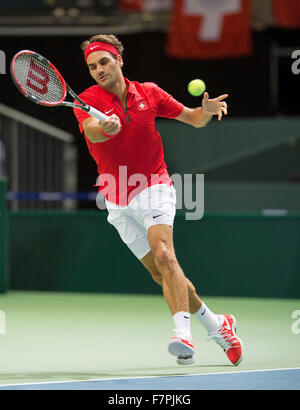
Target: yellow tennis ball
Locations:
point(196, 87)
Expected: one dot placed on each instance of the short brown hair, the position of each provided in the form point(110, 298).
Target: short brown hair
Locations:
point(105, 38)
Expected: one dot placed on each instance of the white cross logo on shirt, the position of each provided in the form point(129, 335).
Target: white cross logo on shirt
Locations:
point(142, 105)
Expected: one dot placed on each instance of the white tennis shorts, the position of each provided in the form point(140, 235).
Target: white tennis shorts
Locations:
point(154, 205)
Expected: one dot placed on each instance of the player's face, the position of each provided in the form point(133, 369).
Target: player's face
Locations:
point(104, 68)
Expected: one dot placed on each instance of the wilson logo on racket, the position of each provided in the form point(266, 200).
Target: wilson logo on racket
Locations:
point(37, 78)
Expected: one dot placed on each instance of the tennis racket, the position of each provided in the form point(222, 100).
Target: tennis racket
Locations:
point(40, 82)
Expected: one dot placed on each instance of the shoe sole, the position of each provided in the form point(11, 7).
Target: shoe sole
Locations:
point(185, 360)
point(177, 348)
point(242, 344)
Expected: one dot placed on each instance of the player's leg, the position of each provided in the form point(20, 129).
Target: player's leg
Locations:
point(221, 328)
point(197, 307)
point(175, 290)
point(194, 300)
point(174, 283)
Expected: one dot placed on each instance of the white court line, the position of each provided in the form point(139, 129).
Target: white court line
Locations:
point(150, 377)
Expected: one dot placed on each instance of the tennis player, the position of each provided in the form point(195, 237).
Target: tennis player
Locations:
point(132, 174)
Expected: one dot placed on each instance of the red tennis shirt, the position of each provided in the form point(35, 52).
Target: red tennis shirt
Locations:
point(132, 159)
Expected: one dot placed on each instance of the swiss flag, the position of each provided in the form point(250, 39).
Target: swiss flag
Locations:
point(210, 29)
point(286, 13)
point(146, 5)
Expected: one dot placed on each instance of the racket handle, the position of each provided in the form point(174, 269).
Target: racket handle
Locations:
point(97, 114)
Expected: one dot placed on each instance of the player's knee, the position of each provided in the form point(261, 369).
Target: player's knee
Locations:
point(157, 278)
point(165, 260)
point(192, 291)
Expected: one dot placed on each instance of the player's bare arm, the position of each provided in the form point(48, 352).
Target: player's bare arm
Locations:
point(201, 116)
point(93, 128)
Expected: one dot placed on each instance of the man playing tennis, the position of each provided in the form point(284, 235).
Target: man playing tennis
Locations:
point(128, 151)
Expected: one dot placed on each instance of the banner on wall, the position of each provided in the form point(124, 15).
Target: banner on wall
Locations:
point(286, 13)
point(146, 5)
point(210, 29)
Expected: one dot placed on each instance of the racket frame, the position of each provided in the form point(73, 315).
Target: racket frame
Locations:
point(66, 88)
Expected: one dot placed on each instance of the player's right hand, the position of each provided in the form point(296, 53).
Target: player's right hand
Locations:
point(112, 125)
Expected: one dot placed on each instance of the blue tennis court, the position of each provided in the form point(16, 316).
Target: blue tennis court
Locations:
point(276, 379)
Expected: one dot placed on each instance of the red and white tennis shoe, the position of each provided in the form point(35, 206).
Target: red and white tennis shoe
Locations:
point(226, 337)
point(183, 348)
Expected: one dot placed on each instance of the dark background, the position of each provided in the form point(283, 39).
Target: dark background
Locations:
point(246, 80)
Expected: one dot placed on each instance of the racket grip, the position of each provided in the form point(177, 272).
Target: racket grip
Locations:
point(97, 114)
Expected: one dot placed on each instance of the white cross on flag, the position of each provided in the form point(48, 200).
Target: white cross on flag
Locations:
point(210, 29)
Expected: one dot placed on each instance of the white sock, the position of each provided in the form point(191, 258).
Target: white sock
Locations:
point(182, 324)
point(208, 319)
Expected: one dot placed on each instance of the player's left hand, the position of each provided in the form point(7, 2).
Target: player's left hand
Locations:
point(215, 106)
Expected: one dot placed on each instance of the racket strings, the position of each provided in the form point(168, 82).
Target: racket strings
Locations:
point(39, 79)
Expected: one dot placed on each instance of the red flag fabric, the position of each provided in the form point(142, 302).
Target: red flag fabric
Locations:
point(131, 4)
point(286, 13)
point(210, 29)
point(146, 5)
